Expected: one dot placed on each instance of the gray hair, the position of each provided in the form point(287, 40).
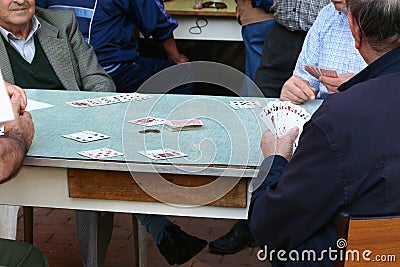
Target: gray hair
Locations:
point(379, 21)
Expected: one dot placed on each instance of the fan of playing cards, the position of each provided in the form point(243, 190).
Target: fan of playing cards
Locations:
point(281, 116)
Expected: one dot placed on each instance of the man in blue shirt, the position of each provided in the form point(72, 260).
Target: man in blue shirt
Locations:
point(348, 154)
point(109, 26)
point(328, 44)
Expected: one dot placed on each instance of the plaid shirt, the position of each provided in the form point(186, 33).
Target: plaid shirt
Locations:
point(297, 15)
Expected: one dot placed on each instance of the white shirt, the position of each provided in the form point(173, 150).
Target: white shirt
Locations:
point(26, 48)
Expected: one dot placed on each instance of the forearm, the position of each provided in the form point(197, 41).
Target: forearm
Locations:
point(171, 49)
point(12, 153)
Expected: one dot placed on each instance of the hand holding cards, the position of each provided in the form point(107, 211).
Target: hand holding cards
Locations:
point(281, 116)
point(318, 71)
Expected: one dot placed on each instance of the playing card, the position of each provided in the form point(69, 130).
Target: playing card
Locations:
point(1, 130)
point(100, 153)
point(34, 105)
point(86, 136)
point(107, 100)
point(328, 73)
point(162, 153)
point(175, 125)
point(148, 121)
point(79, 104)
point(281, 116)
point(244, 104)
point(313, 70)
point(318, 71)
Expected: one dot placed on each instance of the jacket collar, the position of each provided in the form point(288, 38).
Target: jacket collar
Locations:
point(387, 64)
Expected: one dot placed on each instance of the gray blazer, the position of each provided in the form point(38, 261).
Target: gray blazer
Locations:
point(72, 59)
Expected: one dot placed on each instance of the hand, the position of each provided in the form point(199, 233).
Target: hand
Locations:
point(21, 128)
point(273, 145)
point(16, 90)
point(179, 58)
point(297, 91)
point(333, 83)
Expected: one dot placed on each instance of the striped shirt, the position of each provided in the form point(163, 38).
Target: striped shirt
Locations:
point(297, 15)
point(25, 47)
point(329, 44)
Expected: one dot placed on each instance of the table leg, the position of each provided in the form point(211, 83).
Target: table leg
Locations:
point(140, 243)
point(28, 224)
point(8, 221)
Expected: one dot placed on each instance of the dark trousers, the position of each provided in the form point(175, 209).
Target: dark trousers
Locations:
point(279, 56)
point(130, 76)
point(16, 253)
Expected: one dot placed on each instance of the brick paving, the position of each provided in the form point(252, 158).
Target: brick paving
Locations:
point(55, 235)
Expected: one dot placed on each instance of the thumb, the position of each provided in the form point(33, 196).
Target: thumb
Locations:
point(16, 104)
point(293, 133)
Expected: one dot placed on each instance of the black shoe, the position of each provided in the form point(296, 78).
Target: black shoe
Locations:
point(238, 238)
point(178, 247)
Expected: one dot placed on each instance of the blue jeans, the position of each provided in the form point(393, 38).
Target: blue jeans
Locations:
point(253, 39)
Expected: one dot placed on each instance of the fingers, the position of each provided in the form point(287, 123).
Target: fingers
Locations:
point(333, 83)
point(297, 90)
point(292, 133)
point(16, 90)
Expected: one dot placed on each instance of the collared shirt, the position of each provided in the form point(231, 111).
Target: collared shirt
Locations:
point(26, 48)
point(329, 44)
point(297, 15)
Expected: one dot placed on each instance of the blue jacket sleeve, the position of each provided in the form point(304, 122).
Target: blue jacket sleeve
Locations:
point(296, 200)
point(152, 19)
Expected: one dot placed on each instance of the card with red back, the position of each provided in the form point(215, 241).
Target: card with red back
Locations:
point(329, 73)
point(175, 125)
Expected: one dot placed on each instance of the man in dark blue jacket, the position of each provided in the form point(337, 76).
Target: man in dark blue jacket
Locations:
point(348, 155)
point(109, 26)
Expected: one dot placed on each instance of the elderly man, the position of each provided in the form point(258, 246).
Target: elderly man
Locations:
point(14, 144)
point(347, 158)
point(44, 49)
point(328, 44)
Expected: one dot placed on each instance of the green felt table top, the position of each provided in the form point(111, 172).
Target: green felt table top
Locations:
point(228, 137)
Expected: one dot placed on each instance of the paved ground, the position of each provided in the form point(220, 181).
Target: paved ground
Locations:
point(55, 235)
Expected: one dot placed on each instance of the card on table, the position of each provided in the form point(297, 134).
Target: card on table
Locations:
point(244, 104)
point(107, 100)
point(34, 105)
point(86, 136)
point(100, 153)
point(166, 153)
point(148, 121)
point(176, 125)
point(79, 103)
